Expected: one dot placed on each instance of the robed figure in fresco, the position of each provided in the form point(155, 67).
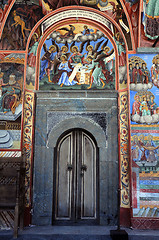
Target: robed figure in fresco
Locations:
point(151, 19)
point(64, 70)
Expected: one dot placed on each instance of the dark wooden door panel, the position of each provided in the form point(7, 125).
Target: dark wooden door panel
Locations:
point(76, 178)
point(64, 179)
point(88, 178)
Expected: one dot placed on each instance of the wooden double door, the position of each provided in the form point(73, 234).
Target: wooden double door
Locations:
point(76, 179)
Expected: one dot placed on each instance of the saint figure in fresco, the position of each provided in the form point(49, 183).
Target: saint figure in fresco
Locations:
point(87, 30)
point(152, 105)
point(33, 51)
point(136, 105)
point(151, 149)
point(64, 70)
point(121, 49)
point(151, 19)
point(145, 74)
point(137, 74)
point(101, 67)
point(155, 71)
point(10, 96)
point(142, 150)
point(47, 61)
point(76, 57)
point(135, 150)
point(97, 75)
point(144, 107)
point(131, 72)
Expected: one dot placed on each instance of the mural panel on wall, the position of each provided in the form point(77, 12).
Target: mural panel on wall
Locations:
point(113, 8)
point(145, 170)
point(75, 56)
point(132, 7)
point(144, 107)
point(78, 56)
point(144, 83)
point(149, 23)
point(22, 18)
point(11, 88)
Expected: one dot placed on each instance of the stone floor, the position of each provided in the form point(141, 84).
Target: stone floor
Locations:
point(77, 233)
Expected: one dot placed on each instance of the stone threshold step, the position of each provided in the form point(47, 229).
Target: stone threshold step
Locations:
point(78, 233)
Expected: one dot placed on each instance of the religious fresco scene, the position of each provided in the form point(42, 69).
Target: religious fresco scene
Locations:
point(144, 88)
point(145, 170)
point(149, 23)
point(22, 18)
point(77, 57)
point(144, 107)
point(11, 93)
point(112, 8)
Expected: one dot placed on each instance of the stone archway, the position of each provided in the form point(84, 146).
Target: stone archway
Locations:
point(101, 124)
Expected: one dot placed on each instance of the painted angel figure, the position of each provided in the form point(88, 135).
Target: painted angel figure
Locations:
point(60, 52)
point(69, 32)
point(47, 61)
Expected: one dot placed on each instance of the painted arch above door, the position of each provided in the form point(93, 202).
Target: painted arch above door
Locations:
point(93, 48)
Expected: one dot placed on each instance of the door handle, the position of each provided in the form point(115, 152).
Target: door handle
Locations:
point(84, 167)
point(69, 167)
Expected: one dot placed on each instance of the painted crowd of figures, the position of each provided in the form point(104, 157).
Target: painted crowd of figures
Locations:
point(144, 149)
point(71, 64)
point(139, 73)
point(144, 105)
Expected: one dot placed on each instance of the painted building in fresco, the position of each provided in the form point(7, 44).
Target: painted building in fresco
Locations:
point(79, 87)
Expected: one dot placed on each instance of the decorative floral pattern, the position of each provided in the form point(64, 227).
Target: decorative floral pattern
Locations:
point(27, 139)
point(124, 150)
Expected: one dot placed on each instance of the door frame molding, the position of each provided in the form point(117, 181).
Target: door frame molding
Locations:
point(73, 123)
point(101, 123)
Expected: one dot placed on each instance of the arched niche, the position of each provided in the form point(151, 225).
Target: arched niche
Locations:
point(81, 17)
point(74, 99)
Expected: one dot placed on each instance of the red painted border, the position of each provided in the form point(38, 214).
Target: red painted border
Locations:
point(145, 223)
point(139, 30)
point(125, 217)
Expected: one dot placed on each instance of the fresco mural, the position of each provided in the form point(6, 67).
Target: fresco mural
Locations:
point(78, 56)
point(3, 9)
point(31, 61)
point(11, 88)
point(149, 23)
point(22, 18)
point(143, 74)
point(145, 166)
point(113, 8)
point(144, 105)
point(132, 7)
